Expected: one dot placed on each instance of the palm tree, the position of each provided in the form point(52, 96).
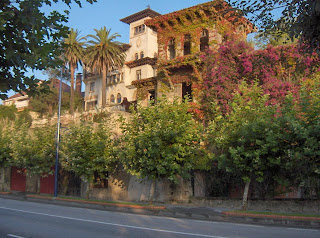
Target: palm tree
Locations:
point(73, 54)
point(104, 54)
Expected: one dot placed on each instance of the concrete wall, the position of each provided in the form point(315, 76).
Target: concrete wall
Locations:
point(129, 188)
point(33, 184)
point(5, 175)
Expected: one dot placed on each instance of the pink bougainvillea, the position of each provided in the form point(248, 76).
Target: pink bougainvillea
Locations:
point(277, 69)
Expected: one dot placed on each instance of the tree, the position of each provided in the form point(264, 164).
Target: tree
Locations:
point(87, 151)
point(300, 18)
point(33, 149)
point(30, 39)
point(104, 54)
point(242, 140)
point(161, 141)
point(5, 150)
point(73, 54)
point(277, 69)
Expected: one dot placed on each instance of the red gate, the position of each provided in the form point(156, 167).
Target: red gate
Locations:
point(47, 184)
point(18, 179)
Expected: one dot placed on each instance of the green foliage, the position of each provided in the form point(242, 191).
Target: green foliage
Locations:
point(24, 117)
point(299, 19)
point(73, 54)
point(8, 112)
point(5, 150)
point(33, 149)
point(104, 53)
point(86, 151)
point(240, 136)
point(47, 104)
point(270, 145)
point(30, 39)
point(161, 141)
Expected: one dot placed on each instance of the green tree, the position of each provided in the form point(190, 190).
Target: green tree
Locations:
point(30, 39)
point(8, 112)
point(104, 54)
point(5, 141)
point(299, 18)
point(161, 141)
point(33, 149)
point(73, 54)
point(86, 151)
point(244, 141)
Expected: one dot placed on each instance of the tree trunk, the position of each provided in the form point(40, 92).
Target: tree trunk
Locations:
point(245, 196)
point(152, 189)
point(104, 85)
point(72, 90)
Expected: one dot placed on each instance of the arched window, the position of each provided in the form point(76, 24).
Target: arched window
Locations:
point(204, 40)
point(136, 56)
point(141, 54)
point(112, 99)
point(187, 44)
point(118, 98)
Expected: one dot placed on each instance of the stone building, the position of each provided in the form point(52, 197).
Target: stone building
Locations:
point(141, 58)
point(163, 54)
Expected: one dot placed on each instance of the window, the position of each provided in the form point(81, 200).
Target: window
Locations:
point(122, 77)
point(92, 87)
point(100, 180)
point(141, 55)
point(152, 97)
point(136, 56)
point(204, 40)
point(112, 99)
point(186, 91)
point(172, 49)
point(187, 45)
point(118, 98)
point(118, 77)
point(139, 29)
point(114, 77)
point(138, 74)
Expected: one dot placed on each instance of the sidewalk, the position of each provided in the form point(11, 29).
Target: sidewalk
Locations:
point(176, 211)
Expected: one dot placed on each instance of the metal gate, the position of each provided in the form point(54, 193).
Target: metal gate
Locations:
point(18, 179)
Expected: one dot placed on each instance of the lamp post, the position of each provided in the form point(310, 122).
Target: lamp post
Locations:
point(56, 169)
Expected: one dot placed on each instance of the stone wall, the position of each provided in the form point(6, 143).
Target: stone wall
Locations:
point(284, 205)
point(130, 188)
point(5, 174)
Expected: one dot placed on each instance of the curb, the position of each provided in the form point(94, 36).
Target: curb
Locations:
point(300, 218)
point(184, 213)
point(99, 203)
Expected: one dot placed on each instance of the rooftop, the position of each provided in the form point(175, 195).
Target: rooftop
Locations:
point(140, 15)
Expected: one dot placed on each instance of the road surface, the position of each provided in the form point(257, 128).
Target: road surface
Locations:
point(21, 219)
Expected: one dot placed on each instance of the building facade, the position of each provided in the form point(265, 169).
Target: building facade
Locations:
point(163, 55)
point(140, 63)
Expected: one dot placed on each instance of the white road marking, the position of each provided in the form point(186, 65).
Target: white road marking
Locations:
point(113, 224)
point(14, 236)
point(302, 229)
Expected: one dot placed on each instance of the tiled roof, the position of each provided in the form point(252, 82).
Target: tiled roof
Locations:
point(140, 15)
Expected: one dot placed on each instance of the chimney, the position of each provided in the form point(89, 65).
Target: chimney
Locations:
point(78, 83)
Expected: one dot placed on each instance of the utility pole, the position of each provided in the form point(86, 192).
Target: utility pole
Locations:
point(56, 169)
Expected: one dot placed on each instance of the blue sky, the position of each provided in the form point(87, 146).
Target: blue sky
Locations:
point(108, 13)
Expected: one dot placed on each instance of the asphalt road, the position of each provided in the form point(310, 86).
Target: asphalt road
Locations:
point(35, 220)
